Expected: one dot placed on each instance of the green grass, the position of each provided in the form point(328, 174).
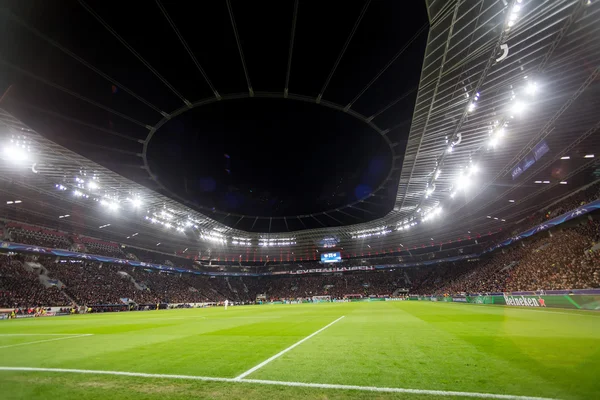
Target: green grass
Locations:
point(417, 345)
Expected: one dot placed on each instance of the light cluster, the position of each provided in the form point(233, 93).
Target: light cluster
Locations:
point(214, 236)
point(268, 242)
point(514, 14)
point(241, 241)
point(365, 233)
point(434, 213)
point(406, 226)
point(18, 150)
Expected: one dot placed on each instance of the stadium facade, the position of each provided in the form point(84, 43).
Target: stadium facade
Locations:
point(505, 124)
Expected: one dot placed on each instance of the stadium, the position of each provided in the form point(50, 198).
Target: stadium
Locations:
point(295, 199)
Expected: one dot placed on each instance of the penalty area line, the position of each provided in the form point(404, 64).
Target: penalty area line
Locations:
point(46, 340)
point(282, 352)
point(279, 383)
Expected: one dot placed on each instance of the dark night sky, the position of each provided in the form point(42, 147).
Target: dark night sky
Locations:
point(263, 157)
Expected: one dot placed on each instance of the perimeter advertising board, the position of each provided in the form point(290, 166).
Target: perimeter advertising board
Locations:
point(575, 301)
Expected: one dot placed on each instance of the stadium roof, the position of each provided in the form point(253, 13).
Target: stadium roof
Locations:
point(507, 93)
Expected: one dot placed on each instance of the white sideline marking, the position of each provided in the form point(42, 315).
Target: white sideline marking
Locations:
point(281, 383)
point(46, 340)
point(282, 352)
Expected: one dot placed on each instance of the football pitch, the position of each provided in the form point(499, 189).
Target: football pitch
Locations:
point(378, 350)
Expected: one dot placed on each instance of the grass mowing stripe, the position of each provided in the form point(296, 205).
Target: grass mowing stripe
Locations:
point(580, 313)
point(282, 352)
point(43, 334)
point(443, 393)
point(45, 340)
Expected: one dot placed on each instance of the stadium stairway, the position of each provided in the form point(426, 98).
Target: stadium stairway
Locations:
point(406, 278)
point(69, 298)
point(125, 275)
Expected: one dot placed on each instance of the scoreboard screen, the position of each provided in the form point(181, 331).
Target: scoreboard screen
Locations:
point(331, 257)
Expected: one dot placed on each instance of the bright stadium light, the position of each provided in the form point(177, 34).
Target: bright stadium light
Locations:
point(518, 107)
point(589, 156)
point(565, 158)
point(531, 88)
point(463, 182)
point(136, 202)
point(494, 141)
point(109, 204)
point(16, 154)
point(92, 185)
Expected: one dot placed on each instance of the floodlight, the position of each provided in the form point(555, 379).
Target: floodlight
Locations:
point(463, 182)
point(92, 185)
point(136, 202)
point(494, 141)
point(531, 88)
point(15, 154)
point(518, 107)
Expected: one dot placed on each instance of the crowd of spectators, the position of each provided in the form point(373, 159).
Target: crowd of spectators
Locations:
point(357, 284)
point(93, 283)
point(563, 259)
point(20, 288)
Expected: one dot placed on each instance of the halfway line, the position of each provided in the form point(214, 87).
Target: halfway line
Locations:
point(280, 383)
point(46, 340)
point(282, 352)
